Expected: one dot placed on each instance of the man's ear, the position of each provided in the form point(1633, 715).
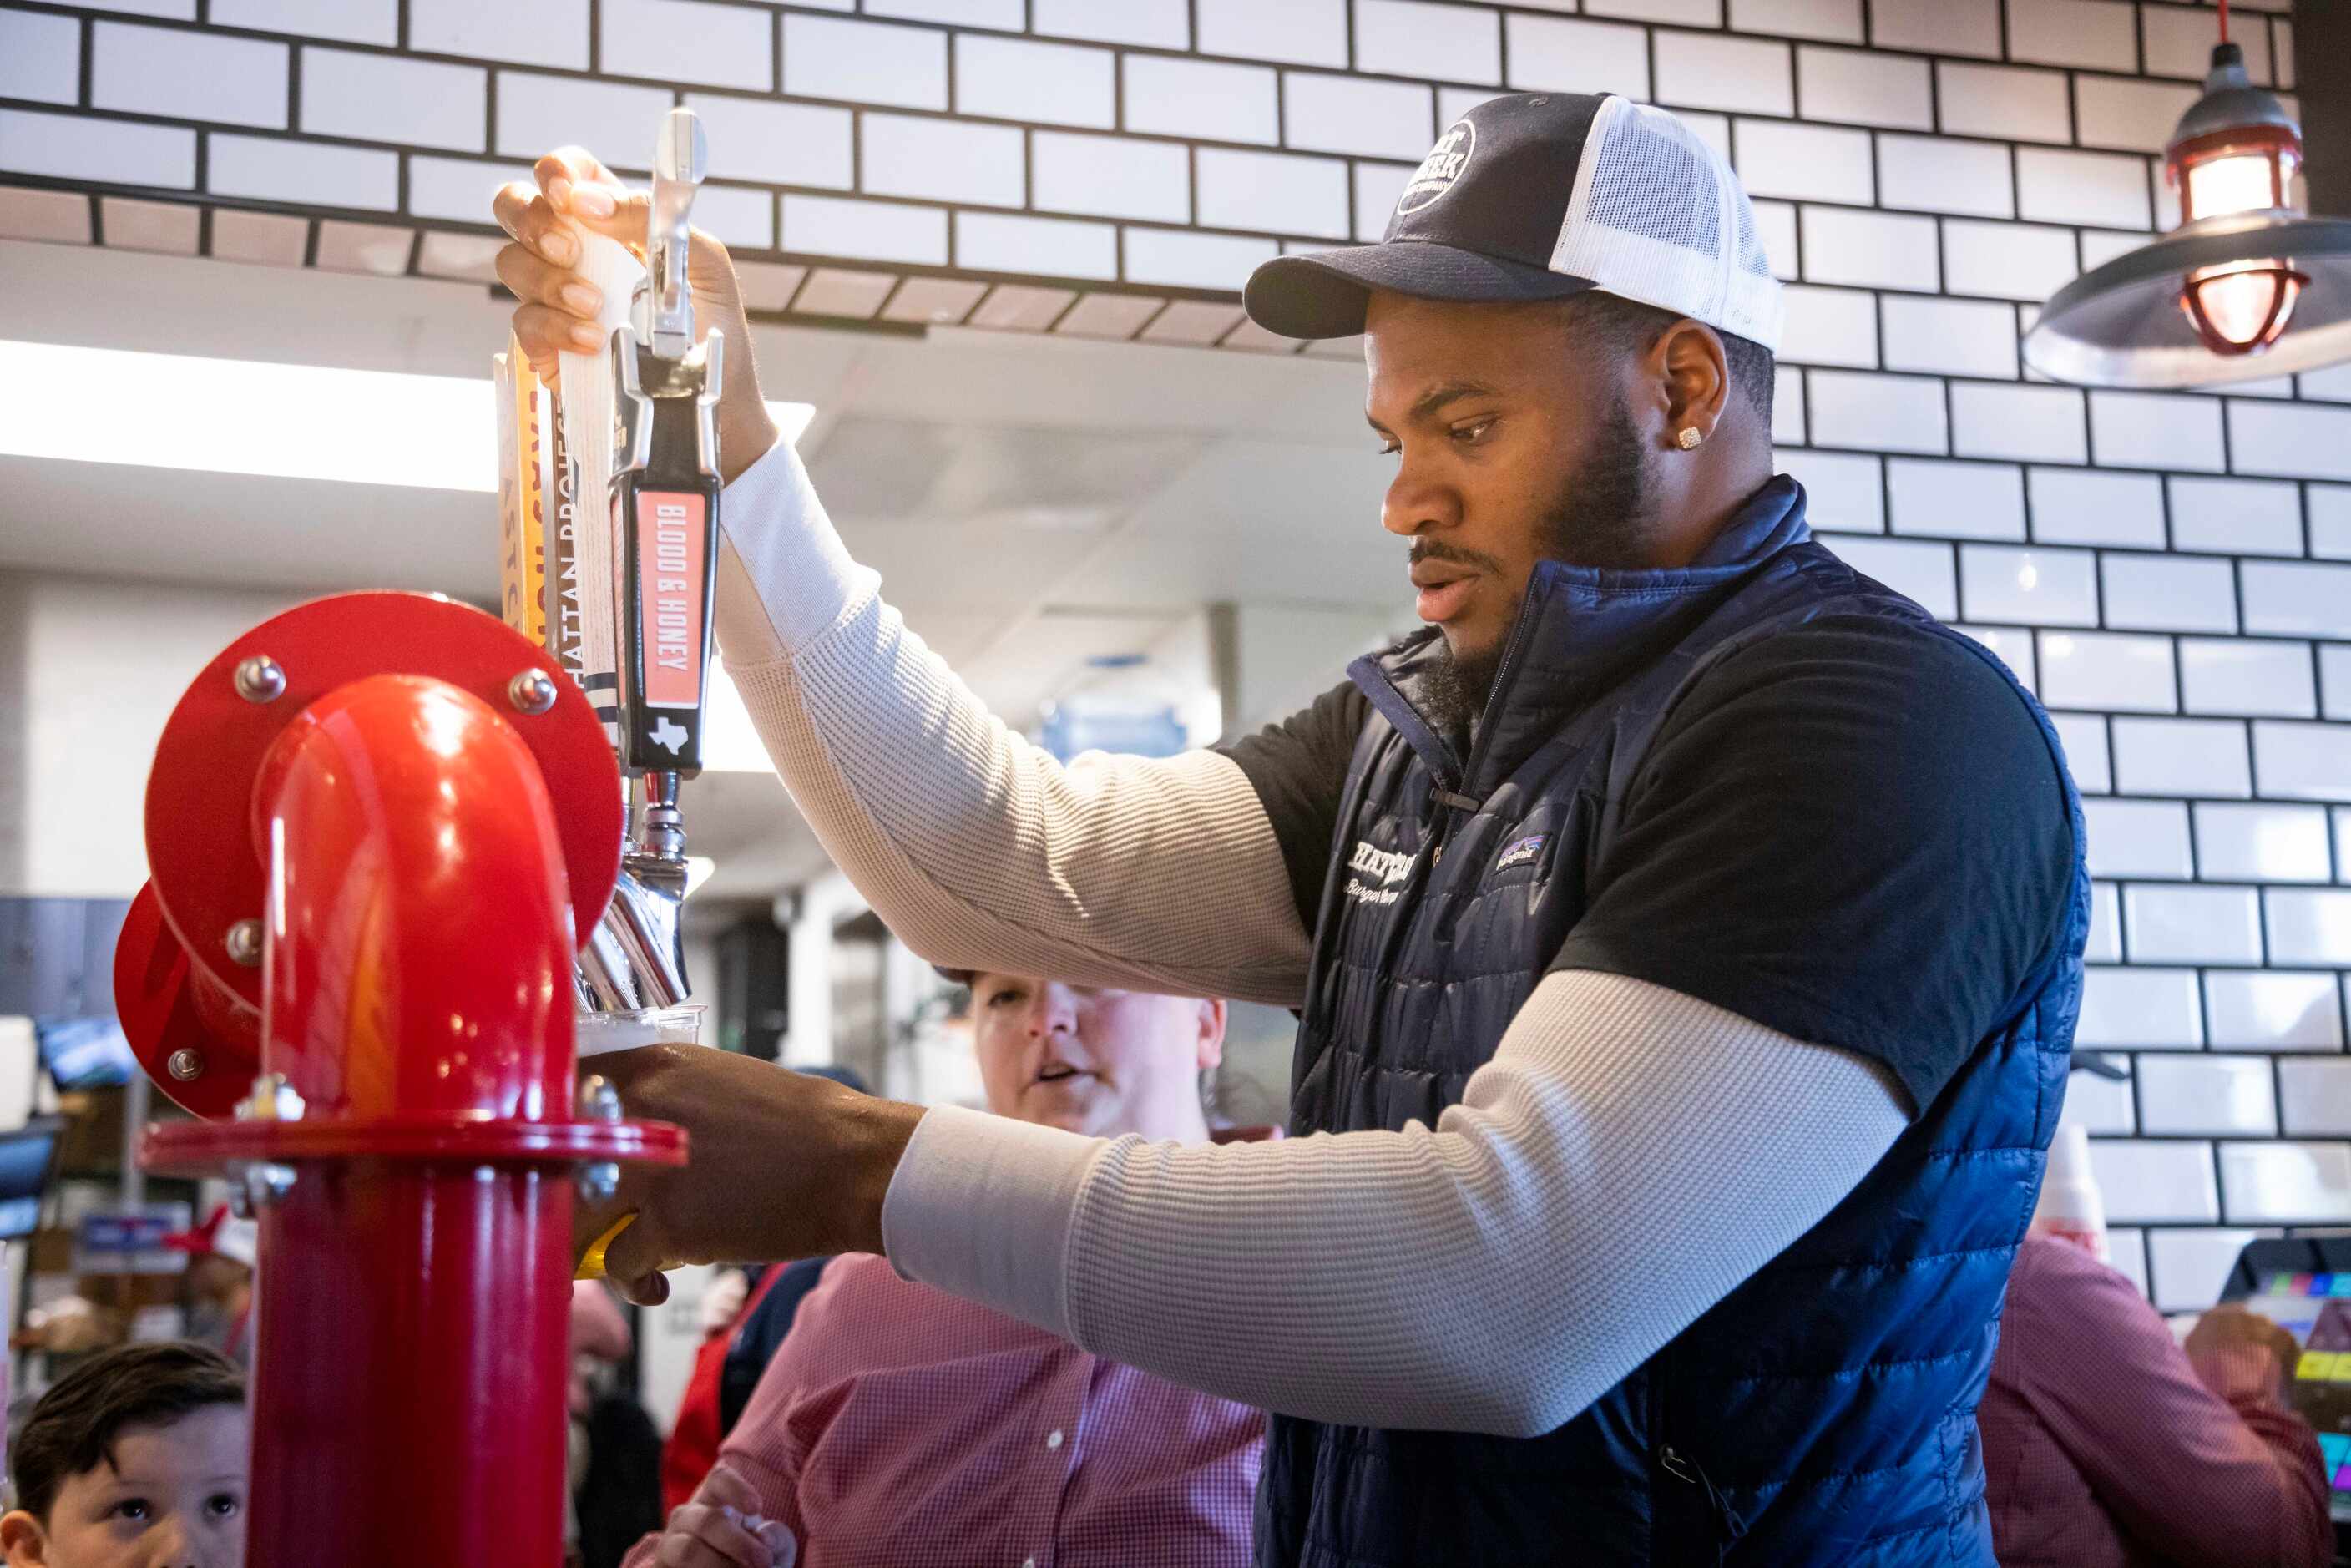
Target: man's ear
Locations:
point(1212, 1031)
point(23, 1541)
point(1694, 376)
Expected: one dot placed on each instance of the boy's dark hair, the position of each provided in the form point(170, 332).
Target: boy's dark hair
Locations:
point(74, 1426)
point(1629, 325)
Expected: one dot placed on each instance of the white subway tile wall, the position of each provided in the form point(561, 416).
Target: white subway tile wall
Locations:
point(1830, 327)
point(1866, 88)
point(1919, 570)
point(1942, 174)
point(1950, 337)
point(2103, 1106)
point(2101, 188)
point(1417, 39)
point(2171, 571)
point(1843, 491)
point(2126, 1252)
point(2084, 737)
point(2235, 517)
point(2002, 101)
point(2204, 756)
point(2108, 670)
point(2275, 1010)
point(687, 41)
point(876, 231)
point(1879, 250)
point(2139, 838)
point(307, 173)
point(2314, 1097)
point(1838, 19)
point(2167, 593)
point(865, 62)
point(1159, 23)
point(383, 98)
point(1807, 162)
point(2035, 587)
point(2330, 513)
point(2007, 261)
point(1554, 54)
point(2156, 430)
point(2155, 1181)
point(1893, 413)
point(2297, 1182)
point(2105, 944)
point(2260, 843)
point(2088, 506)
point(2225, 1095)
point(1962, 500)
point(2257, 678)
point(2187, 1267)
point(2192, 924)
point(1271, 192)
point(1064, 84)
point(1110, 176)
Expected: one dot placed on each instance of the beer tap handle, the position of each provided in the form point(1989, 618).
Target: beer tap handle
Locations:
point(665, 485)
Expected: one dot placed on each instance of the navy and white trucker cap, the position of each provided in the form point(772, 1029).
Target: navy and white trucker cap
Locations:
point(1541, 196)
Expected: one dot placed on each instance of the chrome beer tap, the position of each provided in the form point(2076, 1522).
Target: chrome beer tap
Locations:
point(664, 501)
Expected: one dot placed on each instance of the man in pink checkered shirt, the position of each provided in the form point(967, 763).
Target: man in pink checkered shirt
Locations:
point(901, 1425)
point(2107, 1446)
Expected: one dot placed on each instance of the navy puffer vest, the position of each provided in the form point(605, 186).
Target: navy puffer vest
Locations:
point(1824, 1411)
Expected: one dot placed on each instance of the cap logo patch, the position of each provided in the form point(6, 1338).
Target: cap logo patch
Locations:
point(1440, 168)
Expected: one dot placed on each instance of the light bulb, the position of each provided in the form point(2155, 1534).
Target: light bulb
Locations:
point(2241, 308)
point(2241, 183)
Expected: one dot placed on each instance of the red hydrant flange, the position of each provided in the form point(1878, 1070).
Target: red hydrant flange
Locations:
point(380, 827)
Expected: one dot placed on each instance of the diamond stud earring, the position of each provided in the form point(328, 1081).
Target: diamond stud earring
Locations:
point(1690, 438)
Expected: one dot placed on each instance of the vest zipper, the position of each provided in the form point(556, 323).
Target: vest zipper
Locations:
point(1505, 673)
point(1686, 1469)
point(1453, 800)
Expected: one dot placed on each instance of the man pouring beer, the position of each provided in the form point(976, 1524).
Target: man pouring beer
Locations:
point(1685, 930)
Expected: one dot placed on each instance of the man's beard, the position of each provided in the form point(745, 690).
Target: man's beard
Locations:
point(1597, 519)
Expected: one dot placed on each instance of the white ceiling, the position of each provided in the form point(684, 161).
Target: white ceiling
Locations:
point(1033, 503)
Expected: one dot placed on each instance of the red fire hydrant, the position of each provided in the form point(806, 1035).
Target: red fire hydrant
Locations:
point(379, 827)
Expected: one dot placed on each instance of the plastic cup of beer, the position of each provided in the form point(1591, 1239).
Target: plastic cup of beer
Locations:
point(598, 1034)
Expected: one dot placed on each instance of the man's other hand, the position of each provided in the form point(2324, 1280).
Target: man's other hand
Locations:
point(2229, 1325)
point(780, 1164)
point(721, 1528)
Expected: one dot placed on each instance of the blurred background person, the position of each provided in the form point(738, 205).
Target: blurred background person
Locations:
point(746, 1312)
point(614, 1456)
point(894, 1414)
point(2109, 1445)
point(222, 1252)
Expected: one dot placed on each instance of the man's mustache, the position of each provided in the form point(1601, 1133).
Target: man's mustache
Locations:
point(1434, 549)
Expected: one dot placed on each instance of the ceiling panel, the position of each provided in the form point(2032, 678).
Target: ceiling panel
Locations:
point(1253, 520)
point(115, 521)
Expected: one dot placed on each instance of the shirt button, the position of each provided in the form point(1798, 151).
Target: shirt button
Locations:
point(1029, 1563)
point(1054, 1438)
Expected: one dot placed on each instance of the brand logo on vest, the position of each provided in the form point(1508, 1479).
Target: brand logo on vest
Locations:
point(1521, 852)
point(1384, 866)
point(1440, 168)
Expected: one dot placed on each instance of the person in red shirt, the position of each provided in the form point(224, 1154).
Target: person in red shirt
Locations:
point(900, 1425)
point(2108, 1445)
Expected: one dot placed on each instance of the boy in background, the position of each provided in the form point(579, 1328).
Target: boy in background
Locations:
point(136, 1458)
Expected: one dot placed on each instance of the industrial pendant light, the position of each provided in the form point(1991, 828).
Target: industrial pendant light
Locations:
point(2247, 285)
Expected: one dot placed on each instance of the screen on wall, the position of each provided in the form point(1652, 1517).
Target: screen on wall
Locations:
point(84, 1053)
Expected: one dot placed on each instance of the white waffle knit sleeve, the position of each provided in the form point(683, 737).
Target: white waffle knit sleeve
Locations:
point(1628, 1156)
point(981, 850)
